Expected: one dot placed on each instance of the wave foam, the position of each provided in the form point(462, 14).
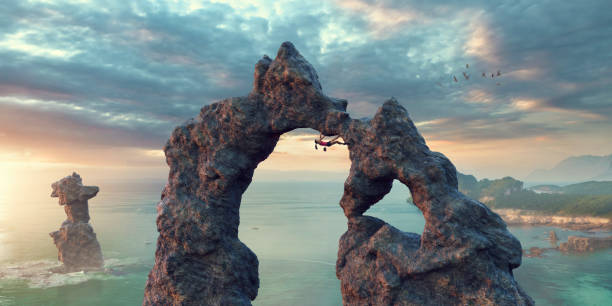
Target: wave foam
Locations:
point(6, 301)
point(39, 273)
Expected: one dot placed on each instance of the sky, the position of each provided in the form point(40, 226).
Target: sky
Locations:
point(98, 86)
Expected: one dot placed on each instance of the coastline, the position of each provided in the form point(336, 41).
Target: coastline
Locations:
point(533, 218)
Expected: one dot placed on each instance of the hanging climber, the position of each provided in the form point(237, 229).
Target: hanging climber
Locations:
point(326, 144)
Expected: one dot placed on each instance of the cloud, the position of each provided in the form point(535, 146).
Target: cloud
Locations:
point(123, 74)
point(383, 20)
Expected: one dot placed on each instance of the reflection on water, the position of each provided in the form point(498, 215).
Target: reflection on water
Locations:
point(292, 227)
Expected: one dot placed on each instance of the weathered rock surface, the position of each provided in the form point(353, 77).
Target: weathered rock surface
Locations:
point(464, 256)
point(576, 244)
point(77, 245)
point(552, 236)
point(537, 252)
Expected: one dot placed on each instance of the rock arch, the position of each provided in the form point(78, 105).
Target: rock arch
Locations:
point(465, 254)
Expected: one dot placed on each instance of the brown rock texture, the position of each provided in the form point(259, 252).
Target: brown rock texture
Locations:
point(552, 236)
point(77, 245)
point(536, 252)
point(576, 244)
point(464, 256)
point(553, 239)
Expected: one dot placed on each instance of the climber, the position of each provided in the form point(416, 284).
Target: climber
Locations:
point(326, 144)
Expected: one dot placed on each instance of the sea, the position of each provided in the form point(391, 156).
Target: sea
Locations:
point(292, 226)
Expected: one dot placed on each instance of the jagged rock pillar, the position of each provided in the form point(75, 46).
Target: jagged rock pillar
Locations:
point(199, 259)
point(466, 254)
point(76, 242)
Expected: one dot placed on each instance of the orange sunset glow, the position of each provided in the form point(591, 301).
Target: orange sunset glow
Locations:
point(517, 95)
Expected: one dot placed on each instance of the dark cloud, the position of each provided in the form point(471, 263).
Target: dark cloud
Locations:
point(481, 128)
point(127, 72)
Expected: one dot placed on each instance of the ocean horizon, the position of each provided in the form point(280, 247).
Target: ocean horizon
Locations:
point(292, 226)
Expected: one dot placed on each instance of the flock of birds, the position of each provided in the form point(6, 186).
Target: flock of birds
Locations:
point(466, 76)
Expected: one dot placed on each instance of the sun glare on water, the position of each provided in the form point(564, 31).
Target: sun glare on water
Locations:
point(5, 187)
point(6, 177)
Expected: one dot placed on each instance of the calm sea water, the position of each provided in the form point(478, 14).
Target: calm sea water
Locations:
point(293, 227)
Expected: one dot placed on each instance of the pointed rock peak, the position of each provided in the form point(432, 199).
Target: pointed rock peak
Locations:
point(260, 70)
point(289, 68)
point(287, 50)
point(77, 177)
point(296, 66)
point(389, 115)
point(265, 60)
point(392, 102)
point(390, 107)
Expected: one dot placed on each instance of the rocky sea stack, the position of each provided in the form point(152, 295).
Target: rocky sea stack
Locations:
point(77, 245)
point(465, 254)
point(576, 244)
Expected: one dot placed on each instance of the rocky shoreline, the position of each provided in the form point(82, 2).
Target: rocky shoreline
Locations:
point(574, 245)
point(531, 218)
point(578, 244)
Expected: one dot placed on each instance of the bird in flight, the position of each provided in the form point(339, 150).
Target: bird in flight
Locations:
point(466, 76)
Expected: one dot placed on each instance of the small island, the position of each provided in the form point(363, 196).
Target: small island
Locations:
point(577, 244)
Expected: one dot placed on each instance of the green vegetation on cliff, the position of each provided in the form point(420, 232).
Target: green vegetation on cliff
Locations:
point(589, 188)
point(584, 199)
point(558, 204)
point(488, 188)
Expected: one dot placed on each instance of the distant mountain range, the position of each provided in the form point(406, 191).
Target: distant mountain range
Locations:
point(575, 169)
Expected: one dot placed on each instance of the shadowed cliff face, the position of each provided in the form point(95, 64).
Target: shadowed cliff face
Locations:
point(76, 242)
point(465, 254)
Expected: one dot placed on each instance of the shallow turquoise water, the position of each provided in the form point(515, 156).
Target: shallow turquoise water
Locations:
point(293, 227)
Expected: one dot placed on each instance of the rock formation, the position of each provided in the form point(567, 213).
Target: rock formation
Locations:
point(534, 252)
point(78, 248)
point(552, 237)
point(464, 256)
point(576, 244)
